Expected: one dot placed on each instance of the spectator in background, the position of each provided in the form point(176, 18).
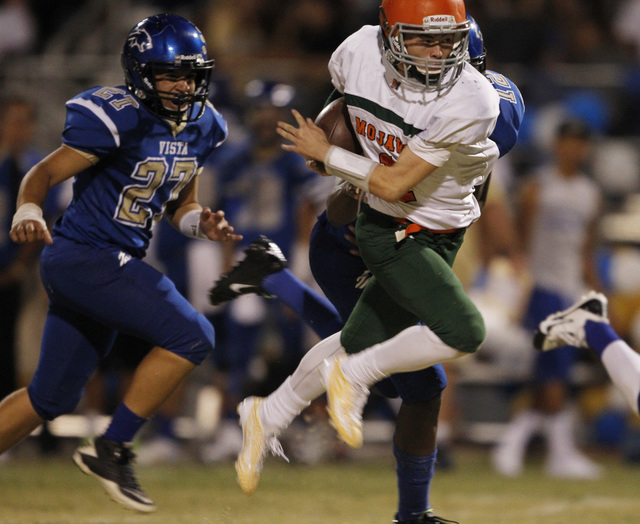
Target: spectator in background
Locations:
point(17, 156)
point(625, 27)
point(17, 263)
point(558, 214)
point(18, 31)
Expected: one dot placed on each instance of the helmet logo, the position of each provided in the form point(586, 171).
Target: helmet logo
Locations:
point(140, 38)
point(197, 58)
point(439, 21)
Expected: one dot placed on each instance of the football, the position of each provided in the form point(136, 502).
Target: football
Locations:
point(334, 121)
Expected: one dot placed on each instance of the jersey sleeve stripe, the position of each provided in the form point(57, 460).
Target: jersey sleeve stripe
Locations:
point(101, 114)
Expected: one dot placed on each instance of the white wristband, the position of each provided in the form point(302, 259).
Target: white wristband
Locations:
point(28, 211)
point(351, 167)
point(190, 224)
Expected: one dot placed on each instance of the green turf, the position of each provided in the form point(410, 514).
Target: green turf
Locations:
point(356, 492)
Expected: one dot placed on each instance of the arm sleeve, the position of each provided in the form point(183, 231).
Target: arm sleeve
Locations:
point(336, 67)
point(464, 121)
point(89, 128)
point(436, 154)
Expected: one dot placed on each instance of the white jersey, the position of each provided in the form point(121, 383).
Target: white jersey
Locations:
point(566, 208)
point(449, 130)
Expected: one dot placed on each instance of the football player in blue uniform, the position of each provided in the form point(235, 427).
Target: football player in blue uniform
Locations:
point(342, 274)
point(135, 152)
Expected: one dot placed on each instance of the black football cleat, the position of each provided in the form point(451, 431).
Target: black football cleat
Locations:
point(112, 464)
point(426, 518)
point(262, 258)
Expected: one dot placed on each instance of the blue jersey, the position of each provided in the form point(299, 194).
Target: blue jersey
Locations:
point(142, 163)
point(505, 134)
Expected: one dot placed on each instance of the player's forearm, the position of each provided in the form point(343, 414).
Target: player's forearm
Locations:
point(364, 173)
point(186, 219)
point(386, 187)
point(34, 187)
point(389, 183)
point(176, 215)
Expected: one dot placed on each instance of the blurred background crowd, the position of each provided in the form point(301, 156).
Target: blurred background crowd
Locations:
point(577, 64)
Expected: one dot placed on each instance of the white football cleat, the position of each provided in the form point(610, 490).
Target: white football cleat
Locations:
point(566, 328)
point(345, 402)
point(256, 442)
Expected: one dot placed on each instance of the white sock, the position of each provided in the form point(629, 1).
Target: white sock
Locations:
point(521, 429)
point(412, 349)
point(305, 380)
point(559, 429)
point(623, 365)
point(279, 409)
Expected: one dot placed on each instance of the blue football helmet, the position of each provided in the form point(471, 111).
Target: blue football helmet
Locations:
point(163, 43)
point(477, 51)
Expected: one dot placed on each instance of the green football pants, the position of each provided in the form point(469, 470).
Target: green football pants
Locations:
point(412, 282)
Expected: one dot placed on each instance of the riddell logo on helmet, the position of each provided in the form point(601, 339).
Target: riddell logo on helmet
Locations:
point(438, 20)
point(198, 58)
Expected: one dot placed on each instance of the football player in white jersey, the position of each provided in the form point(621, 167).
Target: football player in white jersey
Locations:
point(423, 116)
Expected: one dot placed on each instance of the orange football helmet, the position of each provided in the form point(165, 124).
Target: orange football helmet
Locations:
point(403, 19)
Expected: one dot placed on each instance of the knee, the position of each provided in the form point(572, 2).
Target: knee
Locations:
point(205, 342)
point(49, 407)
point(197, 343)
point(421, 388)
point(354, 341)
point(473, 335)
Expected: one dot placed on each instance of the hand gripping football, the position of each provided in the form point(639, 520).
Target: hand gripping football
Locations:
point(334, 121)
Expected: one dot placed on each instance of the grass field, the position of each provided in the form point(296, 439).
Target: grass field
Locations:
point(53, 491)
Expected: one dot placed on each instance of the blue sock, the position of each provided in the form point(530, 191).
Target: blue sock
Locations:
point(599, 335)
point(414, 482)
point(124, 425)
point(308, 304)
